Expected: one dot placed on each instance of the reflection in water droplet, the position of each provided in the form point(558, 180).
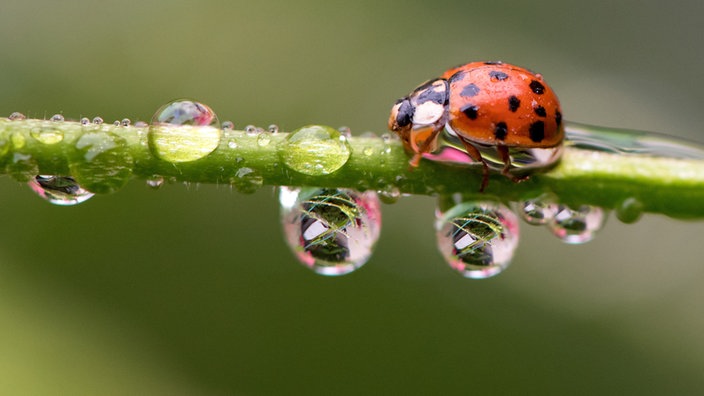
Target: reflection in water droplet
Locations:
point(59, 190)
point(331, 231)
point(183, 131)
point(155, 182)
point(478, 238)
point(16, 116)
point(102, 162)
point(47, 135)
point(576, 226)
point(247, 180)
point(97, 120)
point(57, 117)
point(630, 210)
point(316, 150)
point(538, 211)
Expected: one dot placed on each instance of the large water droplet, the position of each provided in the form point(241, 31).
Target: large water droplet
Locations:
point(197, 135)
point(316, 150)
point(577, 225)
point(247, 180)
point(331, 231)
point(478, 238)
point(59, 190)
point(102, 162)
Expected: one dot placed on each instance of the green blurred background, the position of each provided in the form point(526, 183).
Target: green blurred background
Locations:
point(191, 290)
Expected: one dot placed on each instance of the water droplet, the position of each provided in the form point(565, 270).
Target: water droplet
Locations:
point(538, 211)
point(331, 231)
point(576, 226)
point(59, 190)
point(16, 116)
point(155, 182)
point(263, 139)
point(97, 121)
point(102, 162)
point(389, 194)
point(368, 151)
point(250, 130)
point(247, 180)
point(228, 125)
point(46, 135)
point(140, 124)
point(183, 131)
point(316, 150)
point(85, 121)
point(232, 144)
point(478, 238)
point(345, 131)
point(630, 210)
point(116, 123)
point(125, 122)
point(57, 117)
point(273, 129)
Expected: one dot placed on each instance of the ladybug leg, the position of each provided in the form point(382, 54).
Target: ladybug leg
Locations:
point(475, 155)
point(506, 159)
point(426, 137)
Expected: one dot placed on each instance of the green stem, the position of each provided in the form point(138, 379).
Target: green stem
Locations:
point(659, 184)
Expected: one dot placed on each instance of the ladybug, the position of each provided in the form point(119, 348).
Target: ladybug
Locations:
point(484, 105)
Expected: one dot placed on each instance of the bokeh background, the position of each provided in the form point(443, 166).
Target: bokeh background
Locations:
point(191, 289)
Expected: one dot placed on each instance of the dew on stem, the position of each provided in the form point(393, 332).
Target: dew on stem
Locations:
point(316, 150)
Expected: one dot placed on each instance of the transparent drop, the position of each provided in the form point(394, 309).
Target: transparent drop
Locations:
point(263, 139)
point(273, 129)
point(116, 123)
point(331, 231)
point(57, 117)
point(389, 194)
point(576, 226)
point(247, 180)
point(155, 182)
point(232, 144)
point(316, 150)
point(16, 116)
point(47, 135)
point(183, 131)
point(477, 239)
point(97, 121)
point(345, 131)
point(228, 125)
point(125, 122)
point(538, 211)
point(250, 130)
point(140, 124)
point(85, 121)
point(59, 190)
point(101, 162)
point(630, 210)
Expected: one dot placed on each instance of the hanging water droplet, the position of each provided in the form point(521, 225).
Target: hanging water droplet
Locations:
point(316, 150)
point(273, 129)
point(247, 180)
point(183, 131)
point(263, 139)
point(85, 121)
point(57, 117)
point(155, 182)
point(577, 225)
point(538, 211)
point(16, 116)
point(59, 190)
point(125, 122)
point(46, 135)
point(101, 162)
point(97, 121)
point(390, 194)
point(331, 231)
point(228, 125)
point(477, 239)
point(630, 210)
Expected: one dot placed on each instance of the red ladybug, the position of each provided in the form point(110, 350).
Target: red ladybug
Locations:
point(484, 104)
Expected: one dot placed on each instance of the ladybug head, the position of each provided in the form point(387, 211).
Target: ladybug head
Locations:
point(421, 115)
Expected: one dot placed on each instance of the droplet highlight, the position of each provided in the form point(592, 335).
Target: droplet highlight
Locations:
point(575, 226)
point(316, 150)
point(59, 190)
point(184, 131)
point(477, 238)
point(331, 231)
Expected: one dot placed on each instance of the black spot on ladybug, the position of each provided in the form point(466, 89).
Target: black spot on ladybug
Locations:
point(493, 63)
point(405, 113)
point(497, 75)
point(470, 111)
point(537, 87)
point(431, 95)
point(457, 76)
point(470, 90)
point(537, 131)
point(513, 103)
point(558, 118)
point(540, 111)
point(501, 130)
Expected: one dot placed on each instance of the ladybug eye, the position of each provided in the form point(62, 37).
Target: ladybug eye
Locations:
point(404, 113)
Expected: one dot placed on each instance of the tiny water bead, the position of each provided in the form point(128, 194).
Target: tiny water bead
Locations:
point(57, 118)
point(247, 180)
point(85, 121)
point(331, 231)
point(183, 131)
point(16, 116)
point(263, 139)
point(477, 238)
point(316, 150)
point(538, 211)
point(47, 135)
point(59, 190)
point(125, 122)
point(575, 226)
point(97, 121)
point(155, 182)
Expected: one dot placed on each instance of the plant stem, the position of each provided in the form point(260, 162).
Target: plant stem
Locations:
point(660, 184)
